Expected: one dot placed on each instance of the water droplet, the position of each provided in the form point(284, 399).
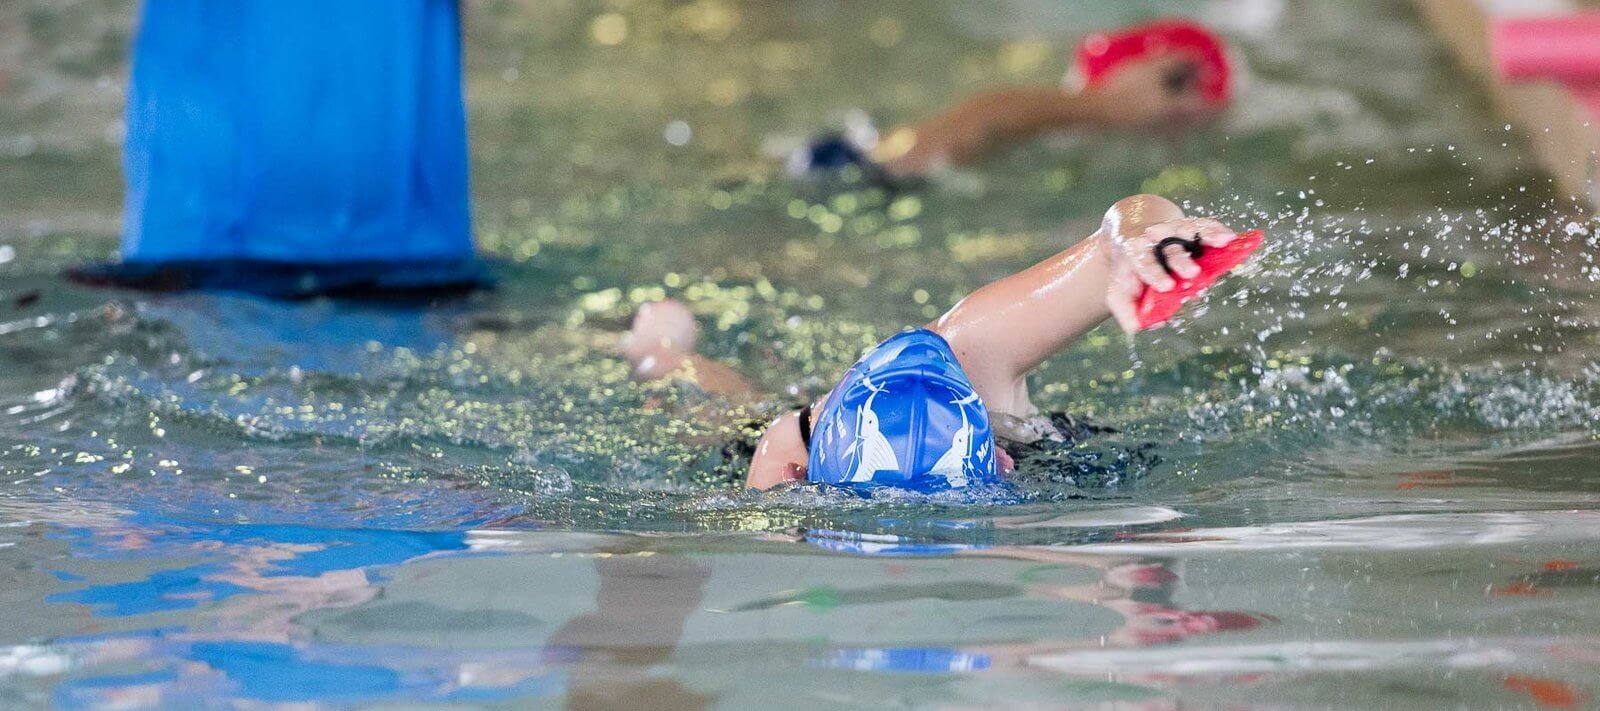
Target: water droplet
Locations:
point(678, 133)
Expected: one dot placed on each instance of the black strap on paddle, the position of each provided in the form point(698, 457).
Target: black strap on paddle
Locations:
point(1192, 246)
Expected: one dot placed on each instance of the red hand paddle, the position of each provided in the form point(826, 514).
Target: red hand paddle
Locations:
point(1156, 307)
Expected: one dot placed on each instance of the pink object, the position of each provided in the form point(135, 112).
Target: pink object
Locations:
point(1100, 54)
point(1563, 47)
point(1156, 307)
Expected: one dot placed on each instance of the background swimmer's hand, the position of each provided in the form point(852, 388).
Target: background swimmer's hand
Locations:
point(660, 326)
point(1159, 91)
point(1135, 265)
point(660, 346)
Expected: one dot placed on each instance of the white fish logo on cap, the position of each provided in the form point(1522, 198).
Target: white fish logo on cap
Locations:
point(874, 453)
point(952, 465)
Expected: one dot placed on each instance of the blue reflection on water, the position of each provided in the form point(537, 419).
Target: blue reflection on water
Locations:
point(180, 666)
point(184, 588)
point(906, 660)
point(160, 592)
point(882, 544)
point(278, 672)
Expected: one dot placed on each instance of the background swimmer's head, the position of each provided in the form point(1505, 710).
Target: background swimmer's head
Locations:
point(1204, 65)
point(1167, 73)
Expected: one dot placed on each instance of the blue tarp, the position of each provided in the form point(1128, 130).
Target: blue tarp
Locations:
point(297, 131)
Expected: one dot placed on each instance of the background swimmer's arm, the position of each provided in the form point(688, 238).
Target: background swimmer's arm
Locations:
point(660, 346)
point(1139, 95)
point(709, 375)
point(981, 124)
point(1008, 327)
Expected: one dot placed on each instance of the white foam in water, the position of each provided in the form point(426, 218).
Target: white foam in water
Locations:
point(31, 660)
point(1355, 656)
point(1402, 532)
point(1105, 518)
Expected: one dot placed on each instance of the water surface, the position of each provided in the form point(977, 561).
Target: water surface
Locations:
point(1364, 476)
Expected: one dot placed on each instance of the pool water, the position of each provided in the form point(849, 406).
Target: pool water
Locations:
point(1363, 476)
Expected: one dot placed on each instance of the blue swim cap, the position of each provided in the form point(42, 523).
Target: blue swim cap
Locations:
point(905, 415)
point(832, 152)
point(837, 156)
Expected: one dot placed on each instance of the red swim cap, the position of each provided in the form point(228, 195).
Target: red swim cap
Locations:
point(1102, 53)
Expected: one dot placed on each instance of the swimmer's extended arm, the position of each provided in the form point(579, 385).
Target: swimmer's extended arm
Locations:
point(709, 375)
point(984, 123)
point(1008, 327)
point(1138, 96)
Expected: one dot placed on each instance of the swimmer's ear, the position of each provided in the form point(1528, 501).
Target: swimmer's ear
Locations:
point(1181, 78)
point(794, 472)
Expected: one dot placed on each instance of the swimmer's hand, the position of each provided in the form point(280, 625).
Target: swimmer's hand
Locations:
point(1161, 91)
point(1135, 264)
point(663, 335)
point(660, 346)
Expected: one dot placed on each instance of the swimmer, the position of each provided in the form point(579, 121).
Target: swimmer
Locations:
point(939, 407)
point(1166, 75)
